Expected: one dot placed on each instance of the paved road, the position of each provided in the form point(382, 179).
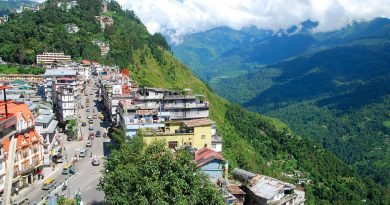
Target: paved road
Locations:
point(87, 176)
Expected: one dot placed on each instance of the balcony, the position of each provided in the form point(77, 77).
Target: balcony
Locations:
point(186, 106)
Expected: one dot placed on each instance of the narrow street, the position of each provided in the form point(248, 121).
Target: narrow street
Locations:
point(86, 178)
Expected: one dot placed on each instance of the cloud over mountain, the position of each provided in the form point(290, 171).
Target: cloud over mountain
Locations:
point(180, 17)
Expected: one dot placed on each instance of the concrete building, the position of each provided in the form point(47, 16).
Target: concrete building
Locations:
point(52, 58)
point(3, 19)
point(58, 77)
point(185, 106)
point(65, 104)
point(194, 133)
point(46, 126)
point(105, 21)
point(261, 190)
point(132, 117)
point(210, 163)
point(29, 147)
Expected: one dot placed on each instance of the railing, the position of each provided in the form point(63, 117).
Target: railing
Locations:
point(183, 105)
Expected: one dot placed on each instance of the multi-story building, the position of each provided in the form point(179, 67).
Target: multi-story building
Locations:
point(66, 104)
point(46, 126)
point(185, 106)
point(29, 148)
point(58, 77)
point(52, 58)
point(105, 21)
point(194, 133)
point(132, 117)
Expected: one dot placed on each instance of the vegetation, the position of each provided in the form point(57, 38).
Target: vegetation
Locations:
point(251, 141)
point(20, 69)
point(140, 174)
point(334, 92)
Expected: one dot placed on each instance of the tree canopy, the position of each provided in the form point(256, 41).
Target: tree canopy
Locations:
point(140, 174)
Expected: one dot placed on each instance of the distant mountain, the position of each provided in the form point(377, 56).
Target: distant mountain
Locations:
point(10, 5)
point(199, 50)
point(331, 87)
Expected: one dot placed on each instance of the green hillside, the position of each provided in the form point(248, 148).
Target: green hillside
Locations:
point(331, 97)
point(250, 141)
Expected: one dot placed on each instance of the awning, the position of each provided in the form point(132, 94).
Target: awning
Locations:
point(27, 171)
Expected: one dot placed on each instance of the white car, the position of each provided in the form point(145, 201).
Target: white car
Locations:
point(95, 162)
point(89, 143)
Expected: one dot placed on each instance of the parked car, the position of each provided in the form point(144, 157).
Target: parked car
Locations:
point(69, 138)
point(98, 133)
point(88, 110)
point(91, 136)
point(89, 143)
point(90, 127)
point(83, 123)
point(95, 162)
point(94, 116)
point(83, 153)
point(90, 121)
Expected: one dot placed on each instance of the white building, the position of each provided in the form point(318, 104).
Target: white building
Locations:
point(51, 58)
point(57, 77)
point(65, 104)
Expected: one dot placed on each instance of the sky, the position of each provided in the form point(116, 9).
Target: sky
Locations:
point(178, 18)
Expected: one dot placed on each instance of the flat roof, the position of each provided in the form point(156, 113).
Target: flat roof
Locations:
point(59, 72)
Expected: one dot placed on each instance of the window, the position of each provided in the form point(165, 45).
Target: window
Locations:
point(172, 144)
point(203, 136)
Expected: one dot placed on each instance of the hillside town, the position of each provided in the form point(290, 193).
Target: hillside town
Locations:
point(55, 130)
point(59, 118)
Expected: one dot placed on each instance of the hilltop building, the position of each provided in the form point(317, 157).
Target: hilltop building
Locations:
point(3, 19)
point(52, 58)
point(105, 21)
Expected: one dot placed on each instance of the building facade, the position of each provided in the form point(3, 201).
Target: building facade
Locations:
point(51, 58)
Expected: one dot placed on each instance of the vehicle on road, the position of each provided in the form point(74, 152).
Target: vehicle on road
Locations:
point(95, 162)
point(88, 110)
point(98, 133)
point(48, 184)
point(68, 169)
point(94, 116)
point(89, 143)
point(83, 124)
point(90, 121)
point(69, 138)
point(101, 116)
point(91, 136)
point(89, 117)
point(83, 153)
point(57, 158)
point(90, 127)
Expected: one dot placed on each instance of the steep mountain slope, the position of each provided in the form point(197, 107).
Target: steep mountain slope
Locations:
point(339, 97)
point(199, 50)
point(251, 141)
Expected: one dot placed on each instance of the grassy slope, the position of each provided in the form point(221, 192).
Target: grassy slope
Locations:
point(246, 145)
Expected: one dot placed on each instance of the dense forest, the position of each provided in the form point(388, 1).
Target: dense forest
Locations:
point(251, 141)
point(329, 87)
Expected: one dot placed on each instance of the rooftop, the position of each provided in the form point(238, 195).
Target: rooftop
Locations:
point(59, 72)
point(198, 122)
point(261, 185)
point(206, 155)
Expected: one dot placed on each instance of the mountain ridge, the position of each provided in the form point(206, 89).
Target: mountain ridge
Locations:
point(251, 141)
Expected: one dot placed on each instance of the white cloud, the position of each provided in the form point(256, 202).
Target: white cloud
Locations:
point(180, 17)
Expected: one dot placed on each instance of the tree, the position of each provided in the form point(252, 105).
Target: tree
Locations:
point(140, 174)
